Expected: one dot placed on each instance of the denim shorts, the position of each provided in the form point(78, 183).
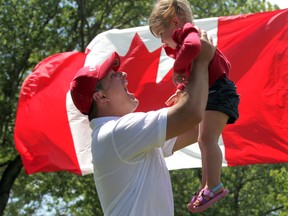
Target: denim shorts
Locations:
point(224, 98)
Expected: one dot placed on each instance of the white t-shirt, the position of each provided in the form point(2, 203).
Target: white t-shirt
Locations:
point(130, 173)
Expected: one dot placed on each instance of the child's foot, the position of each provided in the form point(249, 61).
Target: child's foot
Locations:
point(207, 197)
point(195, 196)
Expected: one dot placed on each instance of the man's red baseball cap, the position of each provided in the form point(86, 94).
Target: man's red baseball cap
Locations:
point(83, 84)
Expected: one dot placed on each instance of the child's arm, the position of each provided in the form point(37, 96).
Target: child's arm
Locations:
point(189, 39)
point(173, 99)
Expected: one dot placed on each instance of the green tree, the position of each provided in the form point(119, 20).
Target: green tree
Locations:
point(32, 30)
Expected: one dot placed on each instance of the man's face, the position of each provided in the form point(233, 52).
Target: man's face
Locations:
point(120, 100)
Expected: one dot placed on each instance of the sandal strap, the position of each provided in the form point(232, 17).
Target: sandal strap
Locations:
point(208, 193)
point(217, 187)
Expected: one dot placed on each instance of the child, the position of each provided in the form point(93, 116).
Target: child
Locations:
point(171, 20)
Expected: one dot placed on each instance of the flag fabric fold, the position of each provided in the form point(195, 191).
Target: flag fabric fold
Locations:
point(52, 135)
point(42, 133)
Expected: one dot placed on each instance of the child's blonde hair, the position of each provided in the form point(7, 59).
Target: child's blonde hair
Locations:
point(165, 10)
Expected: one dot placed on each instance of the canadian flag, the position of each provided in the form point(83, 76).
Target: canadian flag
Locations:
point(52, 135)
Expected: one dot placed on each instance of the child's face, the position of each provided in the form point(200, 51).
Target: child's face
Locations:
point(166, 36)
point(166, 33)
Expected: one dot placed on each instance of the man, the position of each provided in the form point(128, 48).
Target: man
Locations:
point(128, 148)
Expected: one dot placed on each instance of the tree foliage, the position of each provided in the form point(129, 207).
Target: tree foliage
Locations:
point(32, 30)
point(253, 190)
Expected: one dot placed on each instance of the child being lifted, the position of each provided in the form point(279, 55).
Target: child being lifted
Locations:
point(172, 22)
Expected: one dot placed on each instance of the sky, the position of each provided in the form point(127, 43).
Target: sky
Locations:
point(281, 3)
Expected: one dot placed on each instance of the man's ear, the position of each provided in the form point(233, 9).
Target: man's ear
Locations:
point(99, 97)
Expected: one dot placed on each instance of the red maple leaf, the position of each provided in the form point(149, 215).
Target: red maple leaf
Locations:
point(141, 67)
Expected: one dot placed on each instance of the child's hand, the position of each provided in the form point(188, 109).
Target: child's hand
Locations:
point(180, 78)
point(173, 99)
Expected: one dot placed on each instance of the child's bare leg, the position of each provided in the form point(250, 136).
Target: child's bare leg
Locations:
point(210, 130)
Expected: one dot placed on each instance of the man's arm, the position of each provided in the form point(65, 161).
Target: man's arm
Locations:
point(186, 139)
point(189, 110)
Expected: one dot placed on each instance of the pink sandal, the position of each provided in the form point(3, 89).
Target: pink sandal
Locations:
point(206, 198)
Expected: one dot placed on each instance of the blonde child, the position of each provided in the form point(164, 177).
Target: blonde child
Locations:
point(172, 21)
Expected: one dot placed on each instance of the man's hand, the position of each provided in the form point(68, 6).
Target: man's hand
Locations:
point(207, 49)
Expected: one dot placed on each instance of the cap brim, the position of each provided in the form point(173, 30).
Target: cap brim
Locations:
point(111, 63)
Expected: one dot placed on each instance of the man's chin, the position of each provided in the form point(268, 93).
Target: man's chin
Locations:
point(136, 104)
